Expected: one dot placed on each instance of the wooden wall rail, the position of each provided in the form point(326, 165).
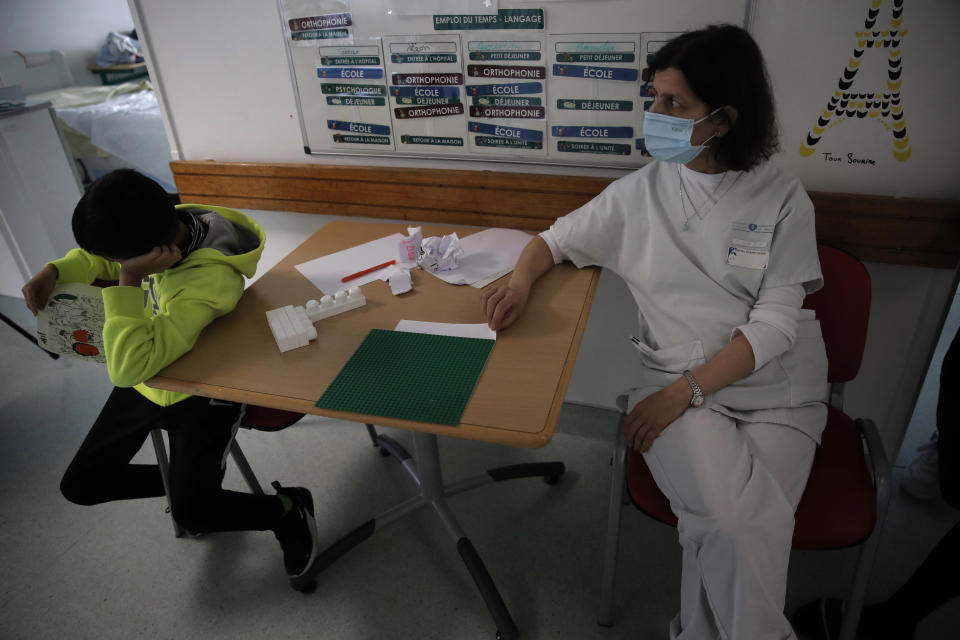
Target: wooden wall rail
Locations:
point(874, 228)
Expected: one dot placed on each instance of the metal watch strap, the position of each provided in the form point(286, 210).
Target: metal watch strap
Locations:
point(697, 399)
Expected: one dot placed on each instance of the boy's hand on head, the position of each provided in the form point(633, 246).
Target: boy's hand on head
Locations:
point(38, 289)
point(135, 269)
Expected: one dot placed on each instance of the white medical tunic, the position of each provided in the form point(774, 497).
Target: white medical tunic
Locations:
point(693, 287)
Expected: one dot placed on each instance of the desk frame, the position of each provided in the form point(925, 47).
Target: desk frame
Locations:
point(236, 359)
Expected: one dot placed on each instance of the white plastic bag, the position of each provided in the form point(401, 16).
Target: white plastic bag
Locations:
point(118, 49)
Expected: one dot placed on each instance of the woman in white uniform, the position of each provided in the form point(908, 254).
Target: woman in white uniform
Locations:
point(719, 251)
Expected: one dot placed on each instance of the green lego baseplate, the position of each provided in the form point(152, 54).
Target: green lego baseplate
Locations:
point(413, 376)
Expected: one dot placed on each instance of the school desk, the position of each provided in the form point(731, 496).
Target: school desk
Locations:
point(516, 401)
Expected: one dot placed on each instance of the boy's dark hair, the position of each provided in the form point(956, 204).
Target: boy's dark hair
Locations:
point(124, 214)
point(723, 66)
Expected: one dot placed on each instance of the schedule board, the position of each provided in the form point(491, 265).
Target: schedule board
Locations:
point(467, 79)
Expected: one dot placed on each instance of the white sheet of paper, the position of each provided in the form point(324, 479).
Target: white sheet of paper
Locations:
point(326, 272)
point(485, 254)
point(447, 329)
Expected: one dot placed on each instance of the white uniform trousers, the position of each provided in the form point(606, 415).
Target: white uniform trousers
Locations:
point(734, 487)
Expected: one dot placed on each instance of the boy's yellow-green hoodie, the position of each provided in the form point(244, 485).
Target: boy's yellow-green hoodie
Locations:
point(146, 329)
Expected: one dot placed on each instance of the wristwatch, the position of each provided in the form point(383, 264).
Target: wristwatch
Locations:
point(697, 399)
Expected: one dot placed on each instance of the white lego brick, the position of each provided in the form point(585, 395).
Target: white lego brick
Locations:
point(293, 331)
point(302, 327)
point(292, 327)
point(337, 303)
point(400, 281)
point(281, 329)
point(296, 335)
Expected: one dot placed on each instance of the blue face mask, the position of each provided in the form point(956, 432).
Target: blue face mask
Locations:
point(667, 138)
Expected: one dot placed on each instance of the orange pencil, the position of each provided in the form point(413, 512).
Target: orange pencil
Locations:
point(366, 271)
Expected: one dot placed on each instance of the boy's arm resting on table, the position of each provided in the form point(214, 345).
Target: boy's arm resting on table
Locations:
point(503, 304)
point(138, 346)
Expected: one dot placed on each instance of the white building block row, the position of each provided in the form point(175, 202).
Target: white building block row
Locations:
point(337, 303)
point(292, 327)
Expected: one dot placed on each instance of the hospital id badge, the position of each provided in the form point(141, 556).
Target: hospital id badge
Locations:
point(749, 257)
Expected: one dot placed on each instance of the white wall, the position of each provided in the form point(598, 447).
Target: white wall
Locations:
point(225, 87)
point(76, 28)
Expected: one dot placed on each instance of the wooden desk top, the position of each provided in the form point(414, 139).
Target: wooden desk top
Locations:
point(517, 399)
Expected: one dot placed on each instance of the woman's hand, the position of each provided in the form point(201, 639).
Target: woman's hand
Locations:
point(654, 413)
point(38, 289)
point(135, 269)
point(504, 304)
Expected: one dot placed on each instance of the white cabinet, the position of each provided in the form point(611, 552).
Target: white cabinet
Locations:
point(39, 188)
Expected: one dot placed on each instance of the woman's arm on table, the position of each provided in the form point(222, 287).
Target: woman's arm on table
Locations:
point(503, 304)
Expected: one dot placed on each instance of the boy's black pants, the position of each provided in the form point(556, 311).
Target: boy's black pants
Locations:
point(200, 434)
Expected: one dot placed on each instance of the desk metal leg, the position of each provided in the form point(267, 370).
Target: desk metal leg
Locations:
point(424, 468)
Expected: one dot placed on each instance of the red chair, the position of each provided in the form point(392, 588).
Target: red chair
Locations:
point(846, 497)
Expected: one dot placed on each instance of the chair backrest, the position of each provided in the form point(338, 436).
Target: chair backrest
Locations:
point(843, 308)
point(35, 71)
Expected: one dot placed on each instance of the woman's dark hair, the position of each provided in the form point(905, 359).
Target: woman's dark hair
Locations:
point(723, 66)
point(124, 214)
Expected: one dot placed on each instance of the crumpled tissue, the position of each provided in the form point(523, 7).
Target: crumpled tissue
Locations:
point(440, 253)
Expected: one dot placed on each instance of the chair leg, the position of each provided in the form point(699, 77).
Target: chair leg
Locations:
point(618, 476)
point(244, 466)
point(853, 604)
point(160, 449)
point(373, 434)
point(861, 577)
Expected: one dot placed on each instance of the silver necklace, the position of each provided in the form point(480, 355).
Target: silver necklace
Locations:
point(699, 214)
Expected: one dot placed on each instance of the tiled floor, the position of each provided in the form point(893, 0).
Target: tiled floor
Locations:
point(116, 570)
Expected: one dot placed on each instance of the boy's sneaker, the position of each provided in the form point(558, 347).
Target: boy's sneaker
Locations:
point(297, 532)
point(921, 479)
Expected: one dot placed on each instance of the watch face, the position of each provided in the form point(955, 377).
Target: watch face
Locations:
point(697, 401)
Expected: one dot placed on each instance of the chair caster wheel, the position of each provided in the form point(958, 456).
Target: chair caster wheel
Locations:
point(552, 480)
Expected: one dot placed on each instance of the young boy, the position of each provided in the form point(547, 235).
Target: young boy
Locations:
point(178, 269)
